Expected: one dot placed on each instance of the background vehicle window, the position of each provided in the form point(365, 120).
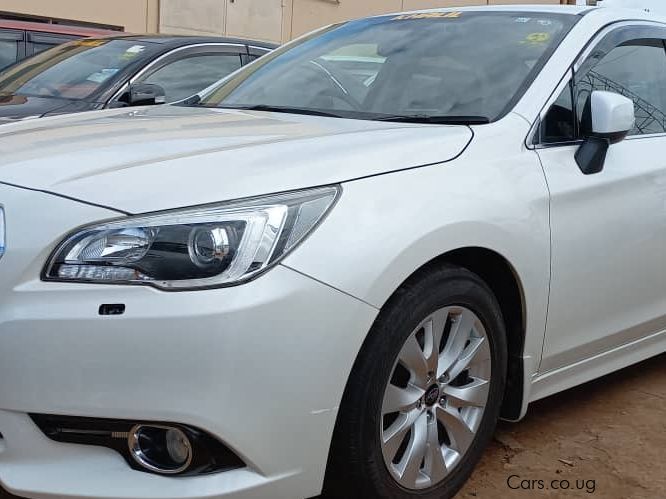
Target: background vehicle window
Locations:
point(75, 70)
point(185, 77)
point(636, 69)
point(39, 42)
point(559, 123)
point(11, 47)
point(8, 52)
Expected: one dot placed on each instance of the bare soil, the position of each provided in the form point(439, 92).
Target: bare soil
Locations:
point(606, 439)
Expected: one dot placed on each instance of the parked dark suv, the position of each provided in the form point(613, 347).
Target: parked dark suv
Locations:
point(129, 70)
point(19, 39)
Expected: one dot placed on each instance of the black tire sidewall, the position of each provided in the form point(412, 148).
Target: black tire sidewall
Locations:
point(357, 439)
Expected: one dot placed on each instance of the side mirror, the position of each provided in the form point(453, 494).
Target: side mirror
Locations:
point(146, 94)
point(607, 119)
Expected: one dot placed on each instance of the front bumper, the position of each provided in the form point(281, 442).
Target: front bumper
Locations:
point(260, 366)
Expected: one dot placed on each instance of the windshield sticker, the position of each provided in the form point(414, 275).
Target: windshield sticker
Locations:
point(133, 51)
point(136, 49)
point(102, 76)
point(536, 38)
point(89, 43)
point(428, 15)
point(523, 20)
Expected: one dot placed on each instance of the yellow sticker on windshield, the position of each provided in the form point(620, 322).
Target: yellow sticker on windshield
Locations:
point(89, 43)
point(537, 38)
point(428, 15)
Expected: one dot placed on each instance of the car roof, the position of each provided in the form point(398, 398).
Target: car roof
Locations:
point(60, 29)
point(173, 41)
point(546, 8)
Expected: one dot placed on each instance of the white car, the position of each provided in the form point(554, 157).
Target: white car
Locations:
point(311, 281)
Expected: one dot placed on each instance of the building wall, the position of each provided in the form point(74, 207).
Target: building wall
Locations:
point(137, 16)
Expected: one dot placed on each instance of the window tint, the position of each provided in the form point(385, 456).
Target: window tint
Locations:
point(185, 77)
point(38, 47)
point(438, 64)
point(558, 125)
point(357, 64)
point(637, 70)
point(8, 52)
point(75, 70)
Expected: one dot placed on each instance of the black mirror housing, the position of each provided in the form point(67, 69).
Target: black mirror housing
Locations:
point(591, 155)
point(146, 94)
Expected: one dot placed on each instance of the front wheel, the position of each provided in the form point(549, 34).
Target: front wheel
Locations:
point(425, 393)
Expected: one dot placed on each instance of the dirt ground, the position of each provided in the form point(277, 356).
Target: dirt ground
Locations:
point(606, 439)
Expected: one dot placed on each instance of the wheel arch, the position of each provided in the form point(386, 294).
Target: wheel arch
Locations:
point(505, 283)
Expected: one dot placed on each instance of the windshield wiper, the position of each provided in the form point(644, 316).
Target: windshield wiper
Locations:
point(284, 109)
point(435, 120)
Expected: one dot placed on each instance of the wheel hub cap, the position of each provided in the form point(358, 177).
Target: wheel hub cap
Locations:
point(431, 396)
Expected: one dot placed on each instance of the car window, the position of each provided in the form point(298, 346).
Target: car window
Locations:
point(75, 70)
point(10, 41)
point(357, 63)
point(185, 77)
point(8, 53)
point(38, 47)
point(559, 123)
point(39, 42)
point(439, 64)
point(637, 70)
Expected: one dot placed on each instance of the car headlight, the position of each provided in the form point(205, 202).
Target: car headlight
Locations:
point(193, 248)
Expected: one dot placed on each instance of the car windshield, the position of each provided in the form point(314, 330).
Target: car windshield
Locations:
point(436, 67)
point(75, 70)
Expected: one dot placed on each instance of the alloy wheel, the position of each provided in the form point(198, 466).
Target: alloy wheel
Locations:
point(434, 402)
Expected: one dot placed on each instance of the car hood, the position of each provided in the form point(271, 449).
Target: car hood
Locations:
point(17, 107)
point(166, 157)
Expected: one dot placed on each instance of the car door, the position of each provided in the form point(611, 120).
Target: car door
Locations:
point(12, 47)
point(185, 72)
point(608, 283)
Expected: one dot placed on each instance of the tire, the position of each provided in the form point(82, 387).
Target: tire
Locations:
point(374, 413)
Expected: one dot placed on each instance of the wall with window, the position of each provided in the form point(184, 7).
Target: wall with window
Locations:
point(136, 16)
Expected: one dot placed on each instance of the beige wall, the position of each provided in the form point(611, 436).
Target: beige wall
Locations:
point(137, 16)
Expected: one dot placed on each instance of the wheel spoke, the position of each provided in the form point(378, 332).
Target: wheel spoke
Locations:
point(394, 435)
point(468, 355)
point(409, 467)
point(460, 434)
point(413, 359)
point(400, 399)
point(434, 329)
point(474, 393)
point(460, 332)
point(435, 466)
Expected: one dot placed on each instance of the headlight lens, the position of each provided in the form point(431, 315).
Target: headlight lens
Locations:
point(201, 247)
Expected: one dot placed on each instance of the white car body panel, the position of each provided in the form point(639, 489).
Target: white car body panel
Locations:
point(74, 367)
point(606, 256)
point(410, 193)
point(239, 154)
